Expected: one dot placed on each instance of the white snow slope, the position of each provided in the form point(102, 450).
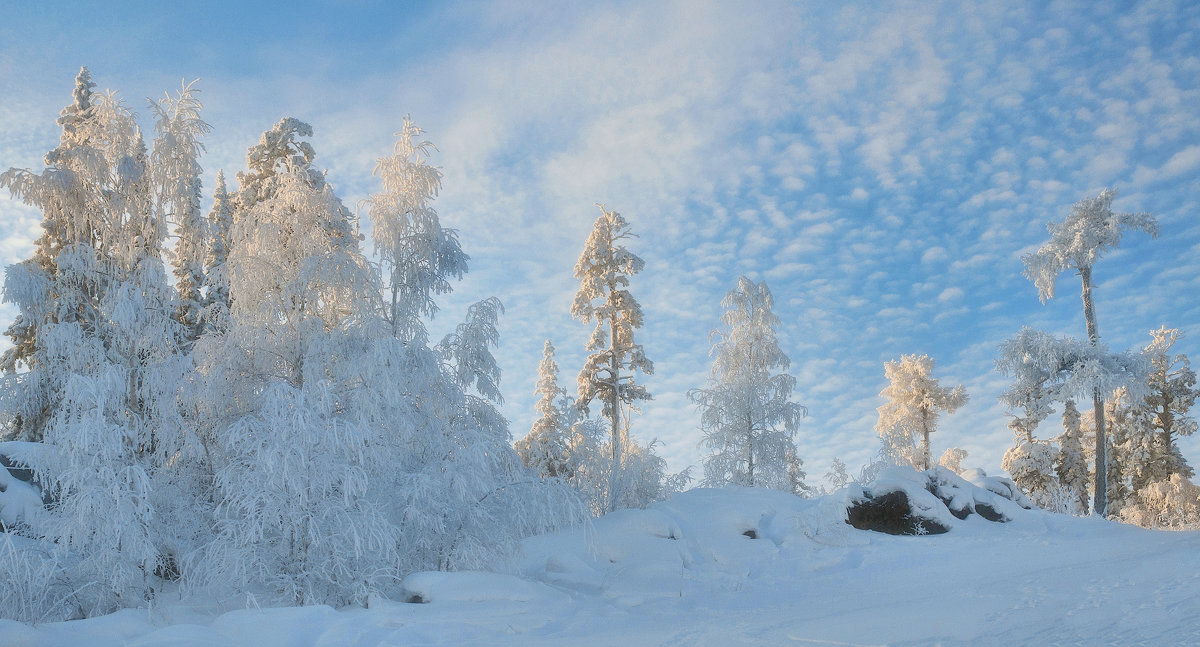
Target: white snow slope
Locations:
point(683, 573)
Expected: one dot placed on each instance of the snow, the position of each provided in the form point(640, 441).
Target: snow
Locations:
point(686, 571)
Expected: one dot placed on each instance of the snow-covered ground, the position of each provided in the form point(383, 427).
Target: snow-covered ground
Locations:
point(686, 572)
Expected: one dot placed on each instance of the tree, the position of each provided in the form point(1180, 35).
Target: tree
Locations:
point(837, 475)
point(546, 449)
point(104, 365)
point(914, 400)
point(220, 226)
point(952, 459)
point(1071, 466)
point(1076, 243)
point(1048, 369)
point(419, 257)
point(746, 414)
point(1171, 393)
point(604, 269)
point(177, 182)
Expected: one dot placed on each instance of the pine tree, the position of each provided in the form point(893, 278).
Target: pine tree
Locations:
point(914, 400)
point(1076, 243)
point(604, 269)
point(746, 414)
point(1071, 466)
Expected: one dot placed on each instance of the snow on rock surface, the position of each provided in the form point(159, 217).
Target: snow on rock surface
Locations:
point(688, 572)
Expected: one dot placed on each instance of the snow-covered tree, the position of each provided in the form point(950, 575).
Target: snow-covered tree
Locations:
point(220, 227)
point(547, 447)
point(298, 455)
point(914, 401)
point(952, 459)
point(1071, 466)
point(1076, 243)
point(105, 369)
point(1173, 503)
point(746, 415)
point(837, 477)
point(609, 372)
point(277, 151)
point(1171, 392)
point(176, 172)
point(1031, 465)
point(419, 257)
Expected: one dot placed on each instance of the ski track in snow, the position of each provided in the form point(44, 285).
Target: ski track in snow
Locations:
point(683, 573)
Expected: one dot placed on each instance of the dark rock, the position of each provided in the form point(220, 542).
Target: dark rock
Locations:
point(991, 514)
point(892, 514)
point(751, 533)
point(416, 598)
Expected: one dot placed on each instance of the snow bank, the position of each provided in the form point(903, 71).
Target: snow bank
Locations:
point(742, 566)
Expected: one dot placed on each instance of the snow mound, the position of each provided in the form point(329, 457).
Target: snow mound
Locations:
point(20, 499)
point(472, 586)
point(902, 501)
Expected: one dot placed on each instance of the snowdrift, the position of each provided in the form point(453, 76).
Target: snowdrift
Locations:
point(750, 567)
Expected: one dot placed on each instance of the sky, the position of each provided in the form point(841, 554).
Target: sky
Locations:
point(882, 167)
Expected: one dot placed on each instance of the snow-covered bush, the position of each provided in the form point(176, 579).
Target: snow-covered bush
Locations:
point(1173, 504)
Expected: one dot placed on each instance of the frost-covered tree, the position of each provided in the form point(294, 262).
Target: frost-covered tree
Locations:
point(297, 452)
point(419, 257)
point(105, 369)
point(278, 150)
point(1048, 369)
point(914, 401)
point(609, 372)
point(176, 170)
point(1071, 466)
point(1171, 392)
point(952, 459)
point(220, 227)
point(1031, 465)
point(547, 447)
point(1076, 243)
point(1173, 503)
point(746, 415)
point(837, 477)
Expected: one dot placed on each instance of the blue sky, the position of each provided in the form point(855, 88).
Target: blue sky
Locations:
point(881, 166)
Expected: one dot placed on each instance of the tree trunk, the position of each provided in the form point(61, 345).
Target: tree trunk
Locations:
point(749, 453)
point(1100, 502)
point(614, 404)
point(926, 459)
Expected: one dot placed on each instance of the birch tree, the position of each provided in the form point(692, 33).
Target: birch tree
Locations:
point(1076, 243)
point(176, 172)
point(746, 415)
point(609, 372)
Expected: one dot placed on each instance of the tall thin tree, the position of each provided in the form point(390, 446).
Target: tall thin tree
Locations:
point(609, 372)
point(1076, 243)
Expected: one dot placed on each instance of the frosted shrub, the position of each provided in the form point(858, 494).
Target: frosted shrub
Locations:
point(1173, 504)
point(33, 587)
